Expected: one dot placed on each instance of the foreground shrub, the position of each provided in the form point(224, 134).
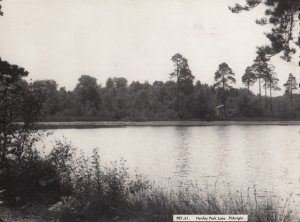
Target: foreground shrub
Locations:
point(96, 190)
point(33, 179)
point(20, 106)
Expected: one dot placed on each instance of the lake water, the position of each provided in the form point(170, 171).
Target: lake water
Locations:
point(218, 157)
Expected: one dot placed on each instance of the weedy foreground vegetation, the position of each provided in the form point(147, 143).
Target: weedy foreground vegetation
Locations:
point(67, 185)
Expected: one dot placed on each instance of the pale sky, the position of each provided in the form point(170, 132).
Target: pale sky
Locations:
point(63, 39)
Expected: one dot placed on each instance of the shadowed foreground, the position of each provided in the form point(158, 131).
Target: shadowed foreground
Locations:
point(68, 186)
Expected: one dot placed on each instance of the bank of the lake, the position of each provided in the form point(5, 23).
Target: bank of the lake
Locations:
point(100, 124)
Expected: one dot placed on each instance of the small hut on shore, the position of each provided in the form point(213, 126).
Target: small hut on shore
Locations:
point(220, 111)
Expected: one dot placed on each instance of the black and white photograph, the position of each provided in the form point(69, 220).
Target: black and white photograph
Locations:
point(149, 111)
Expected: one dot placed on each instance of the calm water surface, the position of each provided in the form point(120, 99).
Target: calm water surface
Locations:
point(218, 157)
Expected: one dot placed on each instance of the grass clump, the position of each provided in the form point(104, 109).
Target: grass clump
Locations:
point(160, 205)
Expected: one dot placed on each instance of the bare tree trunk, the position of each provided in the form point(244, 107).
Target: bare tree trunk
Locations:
point(265, 88)
point(177, 97)
point(224, 98)
point(266, 99)
point(292, 102)
point(177, 89)
point(271, 102)
point(259, 83)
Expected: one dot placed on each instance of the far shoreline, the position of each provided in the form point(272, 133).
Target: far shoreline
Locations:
point(104, 124)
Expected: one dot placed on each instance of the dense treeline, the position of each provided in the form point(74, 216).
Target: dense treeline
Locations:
point(180, 98)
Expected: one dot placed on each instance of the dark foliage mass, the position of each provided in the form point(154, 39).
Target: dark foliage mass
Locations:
point(118, 100)
point(284, 17)
point(19, 102)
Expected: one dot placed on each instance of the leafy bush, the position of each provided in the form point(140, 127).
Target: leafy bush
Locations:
point(38, 178)
point(97, 190)
point(249, 105)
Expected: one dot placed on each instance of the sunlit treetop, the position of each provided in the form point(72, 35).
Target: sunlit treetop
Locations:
point(291, 84)
point(224, 77)
point(284, 17)
point(182, 71)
